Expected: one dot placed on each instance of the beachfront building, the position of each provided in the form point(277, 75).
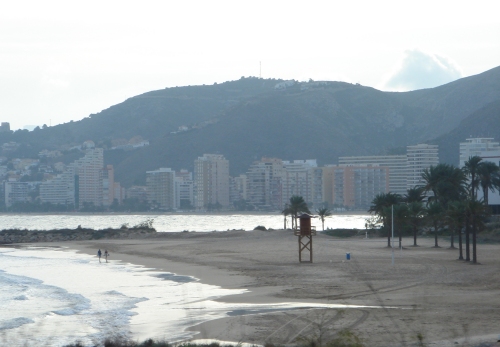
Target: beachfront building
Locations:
point(476, 147)
point(354, 186)
point(211, 177)
point(264, 183)
point(302, 178)
point(108, 185)
point(88, 171)
point(81, 182)
point(184, 189)
point(61, 189)
point(397, 165)
point(237, 189)
point(420, 157)
point(160, 187)
point(15, 192)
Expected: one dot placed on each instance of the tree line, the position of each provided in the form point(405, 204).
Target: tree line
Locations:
point(446, 201)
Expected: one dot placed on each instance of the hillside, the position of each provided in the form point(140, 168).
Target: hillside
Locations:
point(247, 119)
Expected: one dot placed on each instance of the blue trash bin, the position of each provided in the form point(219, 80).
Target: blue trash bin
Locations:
point(348, 256)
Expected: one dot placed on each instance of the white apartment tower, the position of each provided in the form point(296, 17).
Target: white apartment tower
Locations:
point(80, 183)
point(263, 186)
point(420, 157)
point(476, 147)
point(211, 173)
point(160, 186)
point(89, 179)
point(184, 192)
point(302, 178)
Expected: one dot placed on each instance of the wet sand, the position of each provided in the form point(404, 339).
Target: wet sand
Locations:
point(428, 291)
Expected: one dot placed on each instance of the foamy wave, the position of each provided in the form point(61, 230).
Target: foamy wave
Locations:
point(15, 323)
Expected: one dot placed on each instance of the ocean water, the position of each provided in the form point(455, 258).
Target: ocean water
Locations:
point(169, 222)
point(53, 297)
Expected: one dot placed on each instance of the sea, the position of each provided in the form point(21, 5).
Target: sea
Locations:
point(51, 296)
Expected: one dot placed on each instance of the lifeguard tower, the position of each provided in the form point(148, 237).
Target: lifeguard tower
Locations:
point(305, 234)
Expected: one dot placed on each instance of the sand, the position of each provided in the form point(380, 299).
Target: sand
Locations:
point(428, 291)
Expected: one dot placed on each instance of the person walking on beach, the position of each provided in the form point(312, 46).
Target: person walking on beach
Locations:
point(106, 255)
point(99, 254)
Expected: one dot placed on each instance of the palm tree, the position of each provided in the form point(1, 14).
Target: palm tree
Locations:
point(323, 213)
point(446, 182)
point(415, 194)
point(489, 178)
point(286, 213)
point(471, 169)
point(381, 208)
point(476, 211)
point(400, 217)
point(297, 205)
point(434, 213)
point(416, 213)
point(456, 219)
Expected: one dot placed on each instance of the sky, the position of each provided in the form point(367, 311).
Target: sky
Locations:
point(64, 60)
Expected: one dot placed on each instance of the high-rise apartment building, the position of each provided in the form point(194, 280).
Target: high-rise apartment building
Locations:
point(80, 183)
point(264, 182)
point(160, 185)
point(108, 185)
point(420, 157)
point(88, 171)
point(61, 189)
point(354, 186)
point(211, 173)
point(15, 192)
point(397, 165)
point(184, 189)
point(302, 178)
point(476, 147)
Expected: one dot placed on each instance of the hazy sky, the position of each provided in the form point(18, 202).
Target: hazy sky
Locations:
point(63, 60)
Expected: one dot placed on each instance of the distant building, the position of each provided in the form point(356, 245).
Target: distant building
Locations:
point(15, 192)
point(4, 127)
point(397, 164)
point(108, 185)
point(264, 184)
point(476, 146)
point(354, 186)
point(184, 189)
point(211, 173)
point(160, 186)
point(137, 192)
point(302, 178)
point(420, 157)
point(81, 182)
point(238, 189)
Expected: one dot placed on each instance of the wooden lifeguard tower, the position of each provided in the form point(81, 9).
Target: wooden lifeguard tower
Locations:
point(305, 234)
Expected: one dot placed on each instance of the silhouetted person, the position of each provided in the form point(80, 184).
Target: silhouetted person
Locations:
point(106, 255)
point(99, 254)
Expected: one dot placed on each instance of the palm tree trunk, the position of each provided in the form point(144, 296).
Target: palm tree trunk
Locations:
point(452, 239)
point(323, 223)
point(414, 236)
point(485, 196)
point(474, 254)
point(436, 235)
point(467, 244)
point(389, 239)
point(461, 256)
point(284, 223)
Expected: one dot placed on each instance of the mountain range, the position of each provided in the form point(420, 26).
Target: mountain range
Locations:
point(252, 117)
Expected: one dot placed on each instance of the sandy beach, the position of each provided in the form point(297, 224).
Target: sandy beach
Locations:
point(428, 291)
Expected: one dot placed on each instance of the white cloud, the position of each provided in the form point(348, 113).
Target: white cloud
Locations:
point(419, 70)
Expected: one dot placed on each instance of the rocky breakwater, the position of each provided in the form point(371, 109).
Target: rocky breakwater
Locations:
point(78, 234)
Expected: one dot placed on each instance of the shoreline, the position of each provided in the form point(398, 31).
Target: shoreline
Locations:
point(424, 285)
